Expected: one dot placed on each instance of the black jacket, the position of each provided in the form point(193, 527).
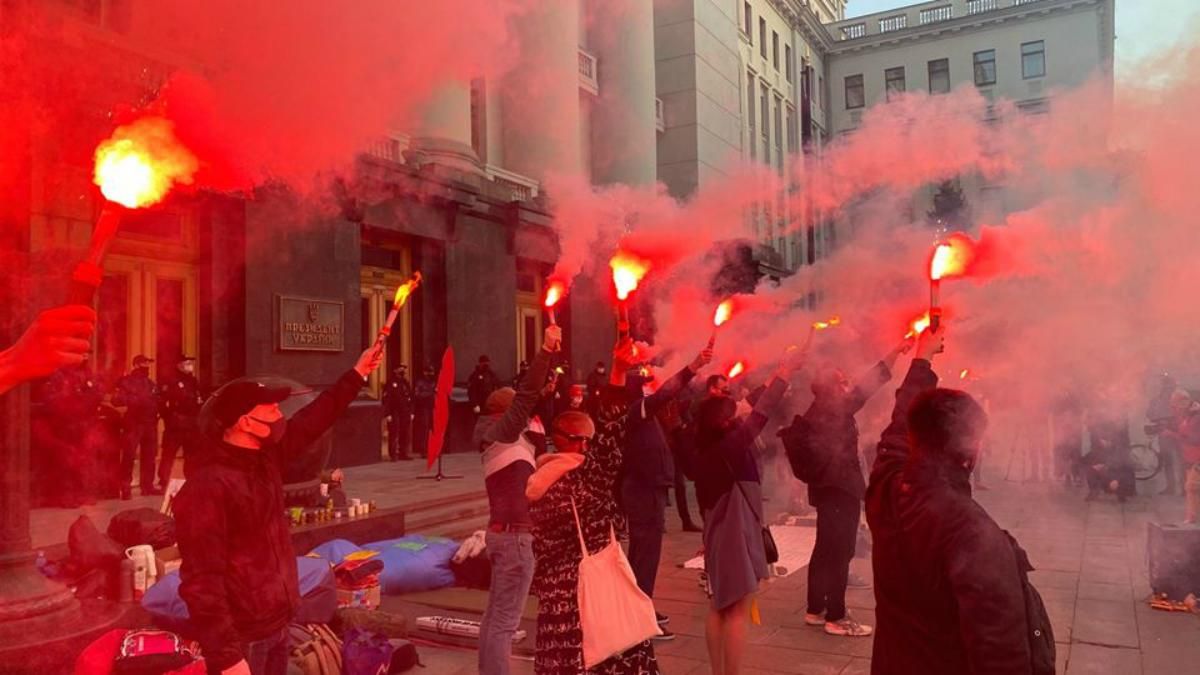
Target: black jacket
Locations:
point(950, 587)
point(480, 385)
point(239, 570)
point(398, 397)
point(647, 458)
point(835, 432)
point(138, 393)
point(179, 401)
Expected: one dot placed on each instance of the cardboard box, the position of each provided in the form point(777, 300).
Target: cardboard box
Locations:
point(365, 598)
point(167, 560)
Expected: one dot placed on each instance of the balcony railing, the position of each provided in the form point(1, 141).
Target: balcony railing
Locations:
point(587, 72)
point(854, 30)
point(521, 188)
point(1025, 2)
point(389, 148)
point(935, 14)
point(891, 23)
point(660, 119)
point(980, 6)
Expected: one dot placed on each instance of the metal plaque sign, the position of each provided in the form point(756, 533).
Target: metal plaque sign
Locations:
point(307, 324)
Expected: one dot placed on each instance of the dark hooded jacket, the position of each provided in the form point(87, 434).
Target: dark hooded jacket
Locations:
point(647, 459)
point(952, 595)
point(835, 431)
point(239, 570)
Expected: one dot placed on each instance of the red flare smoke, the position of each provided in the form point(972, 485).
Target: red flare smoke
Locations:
point(140, 163)
point(951, 257)
point(628, 271)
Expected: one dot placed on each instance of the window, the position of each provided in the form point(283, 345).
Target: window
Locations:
point(764, 110)
point(792, 142)
point(894, 82)
point(775, 50)
point(854, 92)
point(787, 62)
point(762, 37)
point(779, 135)
point(752, 139)
point(748, 21)
point(1033, 59)
point(985, 67)
point(939, 76)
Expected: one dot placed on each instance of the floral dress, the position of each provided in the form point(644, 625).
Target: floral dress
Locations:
point(556, 550)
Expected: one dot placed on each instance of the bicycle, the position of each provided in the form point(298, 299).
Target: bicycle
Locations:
point(1145, 457)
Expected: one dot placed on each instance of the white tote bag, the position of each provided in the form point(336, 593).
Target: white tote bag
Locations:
point(614, 614)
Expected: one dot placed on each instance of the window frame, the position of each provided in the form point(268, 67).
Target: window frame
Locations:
point(976, 62)
point(775, 50)
point(1024, 55)
point(930, 72)
point(888, 79)
point(762, 36)
point(862, 91)
point(748, 21)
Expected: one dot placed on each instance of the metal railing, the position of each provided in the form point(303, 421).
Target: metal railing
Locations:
point(980, 6)
point(891, 23)
point(390, 148)
point(1024, 2)
point(935, 14)
point(521, 188)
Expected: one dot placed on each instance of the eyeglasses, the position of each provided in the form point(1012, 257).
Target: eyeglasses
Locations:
point(576, 438)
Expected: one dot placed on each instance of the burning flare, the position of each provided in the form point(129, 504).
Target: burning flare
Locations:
point(736, 369)
point(555, 292)
point(918, 326)
point(951, 257)
point(628, 271)
point(828, 323)
point(405, 290)
point(964, 374)
point(141, 162)
point(724, 311)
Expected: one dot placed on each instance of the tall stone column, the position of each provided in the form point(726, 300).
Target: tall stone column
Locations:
point(540, 112)
point(623, 128)
point(443, 136)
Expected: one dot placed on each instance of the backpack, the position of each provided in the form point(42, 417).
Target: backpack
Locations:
point(808, 461)
point(316, 650)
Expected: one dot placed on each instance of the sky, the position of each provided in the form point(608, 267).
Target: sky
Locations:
point(1144, 28)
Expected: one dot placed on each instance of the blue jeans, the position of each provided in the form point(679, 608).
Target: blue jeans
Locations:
point(645, 510)
point(269, 656)
point(511, 555)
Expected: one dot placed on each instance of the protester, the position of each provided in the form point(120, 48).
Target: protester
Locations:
point(582, 472)
point(179, 401)
point(1066, 433)
point(677, 424)
point(837, 490)
point(502, 434)
point(424, 394)
point(398, 407)
point(238, 575)
point(729, 491)
point(648, 471)
point(1161, 415)
point(521, 370)
point(1108, 464)
point(138, 394)
point(951, 588)
point(64, 421)
point(58, 337)
point(481, 383)
point(1184, 431)
point(596, 380)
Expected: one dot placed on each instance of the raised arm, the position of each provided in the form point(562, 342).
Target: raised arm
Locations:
point(516, 418)
point(314, 419)
point(674, 386)
point(893, 443)
point(874, 379)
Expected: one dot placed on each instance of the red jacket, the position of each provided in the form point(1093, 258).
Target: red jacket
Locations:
point(238, 576)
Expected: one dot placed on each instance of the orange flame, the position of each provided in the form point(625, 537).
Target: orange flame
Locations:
point(951, 257)
point(966, 372)
point(918, 326)
point(828, 323)
point(406, 289)
point(555, 292)
point(724, 311)
point(628, 271)
point(736, 369)
point(140, 163)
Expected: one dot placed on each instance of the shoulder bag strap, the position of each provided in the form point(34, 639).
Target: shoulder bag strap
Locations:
point(738, 484)
point(579, 529)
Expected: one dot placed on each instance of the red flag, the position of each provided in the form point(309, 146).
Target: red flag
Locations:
point(441, 407)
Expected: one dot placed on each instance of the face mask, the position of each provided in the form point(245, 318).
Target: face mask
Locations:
point(576, 401)
point(600, 370)
point(276, 430)
point(189, 368)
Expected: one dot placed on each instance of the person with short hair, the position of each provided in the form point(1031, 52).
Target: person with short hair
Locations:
point(180, 398)
point(398, 408)
point(952, 593)
point(1184, 430)
point(138, 394)
point(238, 576)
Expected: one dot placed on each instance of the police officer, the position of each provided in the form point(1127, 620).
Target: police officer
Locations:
point(64, 416)
point(424, 394)
point(398, 407)
point(179, 400)
point(138, 394)
point(481, 383)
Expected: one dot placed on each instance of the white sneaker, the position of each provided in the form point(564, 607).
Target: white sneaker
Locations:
point(814, 619)
point(848, 627)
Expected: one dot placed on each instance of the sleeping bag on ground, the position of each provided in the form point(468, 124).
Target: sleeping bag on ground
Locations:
point(318, 597)
point(335, 551)
point(414, 563)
